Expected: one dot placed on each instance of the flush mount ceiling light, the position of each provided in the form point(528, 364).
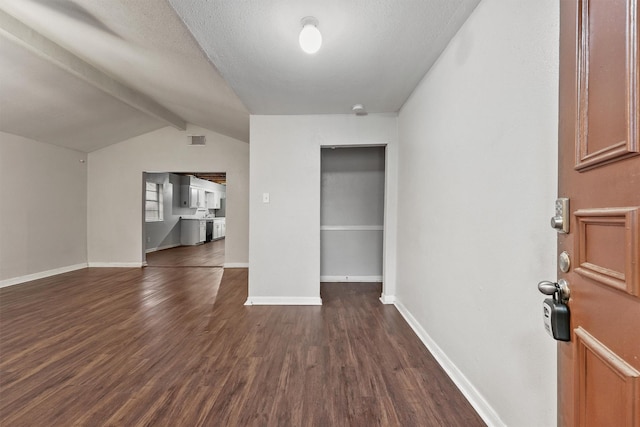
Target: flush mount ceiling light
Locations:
point(310, 38)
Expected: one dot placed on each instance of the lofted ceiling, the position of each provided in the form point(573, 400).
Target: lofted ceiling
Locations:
point(41, 101)
point(85, 74)
point(141, 44)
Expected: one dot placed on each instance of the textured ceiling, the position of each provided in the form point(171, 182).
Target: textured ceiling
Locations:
point(374, 51)
point(210, 63)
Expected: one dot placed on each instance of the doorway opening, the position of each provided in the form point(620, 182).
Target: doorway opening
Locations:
point(184, 219)
point(352, 196)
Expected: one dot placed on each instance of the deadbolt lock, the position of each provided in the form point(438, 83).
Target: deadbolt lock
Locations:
point(560, 221)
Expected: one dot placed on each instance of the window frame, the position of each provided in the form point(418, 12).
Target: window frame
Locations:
point(153, 196)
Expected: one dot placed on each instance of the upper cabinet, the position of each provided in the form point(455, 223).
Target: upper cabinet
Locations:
point(202, 201)
point(213, 200)
point(192, 197)
point(200, 194)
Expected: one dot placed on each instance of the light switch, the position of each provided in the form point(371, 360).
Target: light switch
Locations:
point(265, 197)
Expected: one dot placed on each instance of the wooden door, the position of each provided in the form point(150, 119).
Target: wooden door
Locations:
point(599, 171)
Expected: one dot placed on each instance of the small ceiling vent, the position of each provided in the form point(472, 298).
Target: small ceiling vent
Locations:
point(197, 140)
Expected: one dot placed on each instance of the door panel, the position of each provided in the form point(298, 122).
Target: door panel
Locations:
point(599, 171)
point(599, 367)
point(607, 38)
point(599, 230)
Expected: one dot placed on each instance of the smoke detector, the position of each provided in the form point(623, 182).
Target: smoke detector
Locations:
point(359, 110)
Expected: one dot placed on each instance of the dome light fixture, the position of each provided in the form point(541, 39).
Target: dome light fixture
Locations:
point(310, 38)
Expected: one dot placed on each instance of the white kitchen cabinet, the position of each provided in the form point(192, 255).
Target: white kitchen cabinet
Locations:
point(203, 231)
point(213, 200)
point(219, 228)
point(192, 231)
point(192, 197)
point(188, 196)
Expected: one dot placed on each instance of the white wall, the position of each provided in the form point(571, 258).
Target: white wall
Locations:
point(115, 220)
point(477, 182)
point(284, 247)
point(351, 214)
point(43, 209)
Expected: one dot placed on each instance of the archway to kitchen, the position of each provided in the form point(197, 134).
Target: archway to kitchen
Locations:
point(184, 219)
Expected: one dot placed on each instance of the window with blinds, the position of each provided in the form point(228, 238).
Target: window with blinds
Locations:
point(153, 202)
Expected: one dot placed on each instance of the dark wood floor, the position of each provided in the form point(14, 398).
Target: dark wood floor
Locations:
point(210, 254)
point(176, 347)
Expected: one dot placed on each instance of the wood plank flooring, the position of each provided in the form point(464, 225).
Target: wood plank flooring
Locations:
point(176, 347)
point(210, 254)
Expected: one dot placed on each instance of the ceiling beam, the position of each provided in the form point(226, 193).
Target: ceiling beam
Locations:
point(23, 35)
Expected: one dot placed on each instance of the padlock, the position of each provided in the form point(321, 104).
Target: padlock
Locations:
point(556, 318)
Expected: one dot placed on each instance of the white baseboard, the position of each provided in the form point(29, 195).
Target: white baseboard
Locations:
point(236, 265)
point(283, 301)
point(351, 278)
point(387, 299)
point(474, 397)
point(161, 248)
point(41, 275)
point(116, 264)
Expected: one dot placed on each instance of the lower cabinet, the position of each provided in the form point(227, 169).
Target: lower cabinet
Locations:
point(219, 228)
point(202, 235)
point(192, 231)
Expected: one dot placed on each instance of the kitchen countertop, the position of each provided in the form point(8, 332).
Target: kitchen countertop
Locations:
point(201, 219)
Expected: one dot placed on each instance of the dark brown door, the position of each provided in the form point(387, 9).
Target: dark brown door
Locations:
point(599, 171)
